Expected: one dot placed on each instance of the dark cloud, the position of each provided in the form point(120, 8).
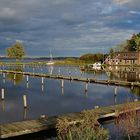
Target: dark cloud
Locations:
point(68, 27)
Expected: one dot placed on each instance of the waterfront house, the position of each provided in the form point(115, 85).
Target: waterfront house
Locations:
point(124, 58)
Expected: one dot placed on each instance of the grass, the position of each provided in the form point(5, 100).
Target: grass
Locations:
point(87, 129)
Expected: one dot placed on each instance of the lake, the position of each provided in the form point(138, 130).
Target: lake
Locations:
point(50, 99)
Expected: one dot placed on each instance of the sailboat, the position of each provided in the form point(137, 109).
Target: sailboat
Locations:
point(50, 62)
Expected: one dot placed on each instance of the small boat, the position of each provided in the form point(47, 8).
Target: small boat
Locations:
point(96, 66)
point(90, 67)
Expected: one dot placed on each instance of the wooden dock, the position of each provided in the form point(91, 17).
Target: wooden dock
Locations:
point(43, 124)
point(74, 78)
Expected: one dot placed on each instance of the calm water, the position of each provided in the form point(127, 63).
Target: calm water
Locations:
point(50, 99)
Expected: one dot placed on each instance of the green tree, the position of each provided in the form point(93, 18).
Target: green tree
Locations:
point(111, 53)
point(92, 57)
point(16, 51)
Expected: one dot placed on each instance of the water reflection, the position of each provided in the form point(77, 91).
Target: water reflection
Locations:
point(59, 96)
point(131, 74)
point(16, 78)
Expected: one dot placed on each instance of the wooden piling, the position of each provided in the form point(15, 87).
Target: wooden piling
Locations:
point(42, 80)
point(2, 93)
point(115, 93)
point(27, 78)
point(14, 76)
point(25, 101)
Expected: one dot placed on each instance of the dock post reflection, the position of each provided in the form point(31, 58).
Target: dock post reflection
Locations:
point(27, 81)
point(115, 95)
point(62, 91)
point(86, 89)
point(4, 78)
point(27, 85)
point(3, 105)
point(42, 87)
point(62, 84)
point(62, 87)
point(25, 113)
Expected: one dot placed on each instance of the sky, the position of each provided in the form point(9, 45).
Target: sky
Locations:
point(67, 27)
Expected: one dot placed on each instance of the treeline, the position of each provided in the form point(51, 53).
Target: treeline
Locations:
point(92, 57)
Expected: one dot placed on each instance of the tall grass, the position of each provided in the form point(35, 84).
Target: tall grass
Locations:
point(86, 129)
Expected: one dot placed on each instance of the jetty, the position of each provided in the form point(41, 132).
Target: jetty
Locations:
point(46, 123)
point(75, 78)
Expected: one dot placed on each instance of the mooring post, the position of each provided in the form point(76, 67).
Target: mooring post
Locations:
point(115, 93)
point(2, 93)
point(25, 101)
point(42, 80)
point(14, 76)
point(27, 78)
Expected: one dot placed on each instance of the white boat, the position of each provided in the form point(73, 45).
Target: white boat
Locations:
point(96, 66)
point(50, 62)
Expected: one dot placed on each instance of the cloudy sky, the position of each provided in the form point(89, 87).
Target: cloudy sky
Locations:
point(67, 27)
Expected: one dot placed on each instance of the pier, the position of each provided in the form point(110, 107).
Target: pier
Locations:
point(74, 78)
point(46, 123)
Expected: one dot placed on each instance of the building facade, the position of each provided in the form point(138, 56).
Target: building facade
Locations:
point(124, 58)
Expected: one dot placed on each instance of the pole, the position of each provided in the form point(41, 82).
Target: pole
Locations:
point(25, 101)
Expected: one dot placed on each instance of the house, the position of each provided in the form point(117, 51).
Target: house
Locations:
point(124, 58)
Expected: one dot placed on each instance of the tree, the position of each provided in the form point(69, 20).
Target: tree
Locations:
point(111, 53)
point(132, 44)
point(92, 57)
point(16, 51)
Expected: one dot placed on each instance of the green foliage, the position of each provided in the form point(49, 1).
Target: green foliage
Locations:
point(16, 51)
point(92, 57)
point(111, 53)
point(86, 129)
point(133, 44)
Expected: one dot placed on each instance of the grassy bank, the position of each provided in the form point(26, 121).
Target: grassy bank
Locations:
point(69, 62)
